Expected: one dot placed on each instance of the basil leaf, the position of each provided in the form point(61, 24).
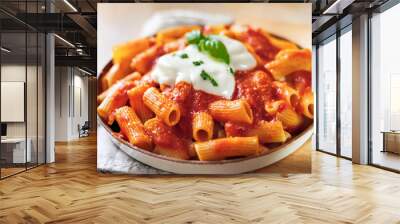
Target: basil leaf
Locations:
point(194, 37)
point(215, 49)
point(209, 45)
point(184, 55)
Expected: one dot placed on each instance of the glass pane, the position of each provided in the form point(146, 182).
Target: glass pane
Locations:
point(31, 98)
point(41, 98)
point(346, 94)
point(327, 96)
point(13, 85)
point(385, 86)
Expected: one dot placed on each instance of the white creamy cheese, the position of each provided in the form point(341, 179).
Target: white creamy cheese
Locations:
point(181, 66)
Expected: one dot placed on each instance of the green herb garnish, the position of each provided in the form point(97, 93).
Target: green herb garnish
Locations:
point(197, 63)
point(209, 45)
point(205, 76)
point(184, 55)
point(231, 70)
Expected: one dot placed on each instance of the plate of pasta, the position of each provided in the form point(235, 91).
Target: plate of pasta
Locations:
point(216, 99)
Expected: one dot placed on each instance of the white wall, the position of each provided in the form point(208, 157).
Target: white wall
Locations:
point(71, 102)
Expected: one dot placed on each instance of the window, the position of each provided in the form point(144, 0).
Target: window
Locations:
point(22, 77)
point(327, 96)
point(346, 92)
point(385, 89)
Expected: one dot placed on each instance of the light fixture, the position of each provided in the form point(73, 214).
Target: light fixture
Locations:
point(64, 40)
point(5, 50)
point(70, 5)
point(84, 71)
point(337, 7)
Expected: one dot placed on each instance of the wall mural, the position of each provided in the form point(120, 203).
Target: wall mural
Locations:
point(204, 88)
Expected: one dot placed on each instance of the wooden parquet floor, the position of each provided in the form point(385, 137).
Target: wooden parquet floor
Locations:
point(71, 191)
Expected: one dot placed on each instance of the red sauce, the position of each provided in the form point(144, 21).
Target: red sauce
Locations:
point(182, 93)
point(164, 136)
point(201, 100)
point(234, 129)
point(255, 87)
point(300, 80)
point(261, 45)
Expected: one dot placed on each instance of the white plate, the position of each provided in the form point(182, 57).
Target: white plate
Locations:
point(232, 166)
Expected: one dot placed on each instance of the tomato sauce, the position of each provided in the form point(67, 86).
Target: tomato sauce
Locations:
point(255, 87)
point(164, 136)
point(261, 45)
point(300, 80)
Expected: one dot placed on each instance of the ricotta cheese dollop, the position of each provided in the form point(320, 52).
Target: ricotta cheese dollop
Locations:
point(201, 70)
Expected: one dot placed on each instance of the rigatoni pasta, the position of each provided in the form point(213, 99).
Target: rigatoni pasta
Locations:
point(115, 99)
point(167, 110)
point(307, 104)
point(143, 61)
point(223, 148)
point(236, 110)
point(290, 119)
point(124, 53)
point(203, 126)
point(132, 128)
point(172, 95)
point(289, 61)
point(131, 77)
point(269, 132)
point(135, 96)
point(173, 33)
point(116, 73)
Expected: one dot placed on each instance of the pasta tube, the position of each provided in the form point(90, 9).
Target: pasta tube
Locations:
point(132, 128)
point(203, 126)
point(135, 96)
point(124, 53)
point(289, 61)
point(307, 104)
point(223, 148)
point(166, 109)
point(287, 93)
point(290, 119)
point(144, 61)
point(116, 72)
point(131, 77)
point(173, 33)
point(115, 99)
point(273, 107)
point(235, 111)
point(269, 132)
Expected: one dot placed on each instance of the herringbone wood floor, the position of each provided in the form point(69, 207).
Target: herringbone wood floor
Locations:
point(71, 191)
